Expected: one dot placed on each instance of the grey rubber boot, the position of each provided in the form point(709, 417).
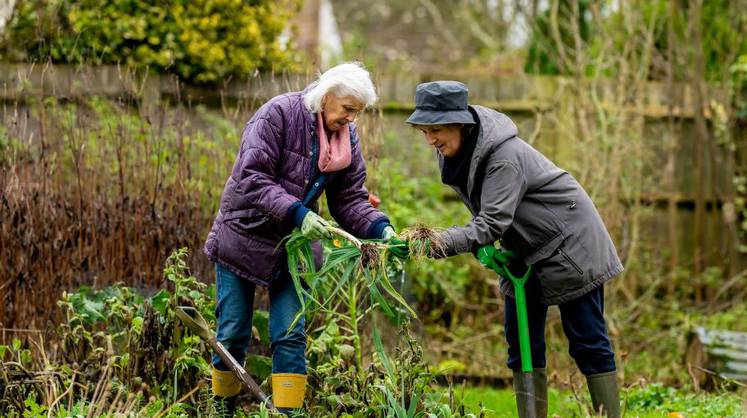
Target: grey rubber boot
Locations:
point(540, 392)
point(605, 396)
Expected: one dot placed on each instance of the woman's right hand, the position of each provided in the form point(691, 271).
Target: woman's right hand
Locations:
point(314, 227)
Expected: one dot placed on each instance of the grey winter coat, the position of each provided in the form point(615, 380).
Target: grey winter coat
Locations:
point(518, 196)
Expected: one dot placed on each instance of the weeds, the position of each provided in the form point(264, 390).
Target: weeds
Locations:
point(91, 192)
point(118, 353)
point(424, 242)
point(347, 292)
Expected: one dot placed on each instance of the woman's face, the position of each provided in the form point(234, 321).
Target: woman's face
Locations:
point(446, 139)
point(337, 111)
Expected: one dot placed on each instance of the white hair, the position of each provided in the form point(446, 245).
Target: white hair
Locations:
point(348, 79)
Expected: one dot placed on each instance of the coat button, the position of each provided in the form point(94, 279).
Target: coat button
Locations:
point(316, 184)
point(572, 205)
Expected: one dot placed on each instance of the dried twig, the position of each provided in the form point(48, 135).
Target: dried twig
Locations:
point(180, 400)
point(68, 390)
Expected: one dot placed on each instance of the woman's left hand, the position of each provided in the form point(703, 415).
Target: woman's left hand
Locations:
point(388, 234)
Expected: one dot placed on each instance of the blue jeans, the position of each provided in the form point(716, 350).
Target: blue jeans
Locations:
point(583, 324)
point(234, 312)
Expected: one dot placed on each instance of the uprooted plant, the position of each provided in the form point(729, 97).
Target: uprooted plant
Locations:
point(352, 283)
point(346, 292)
point(355, 278)
point(423, 241)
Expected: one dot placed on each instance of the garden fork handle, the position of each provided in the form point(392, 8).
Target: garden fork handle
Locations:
point(197, 324)
point(246, 380)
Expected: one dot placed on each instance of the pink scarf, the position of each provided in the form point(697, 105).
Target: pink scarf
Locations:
point(334, 152)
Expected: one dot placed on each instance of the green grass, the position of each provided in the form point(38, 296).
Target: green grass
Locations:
point(653, 401)
point(502, 403)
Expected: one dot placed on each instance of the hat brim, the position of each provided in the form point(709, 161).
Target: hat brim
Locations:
point(440, 117)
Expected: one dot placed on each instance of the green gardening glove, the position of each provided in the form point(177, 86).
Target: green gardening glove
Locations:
point(399, 248)
point(496, 259)
point(486, 256)
point(505, 257)
point(314, 227)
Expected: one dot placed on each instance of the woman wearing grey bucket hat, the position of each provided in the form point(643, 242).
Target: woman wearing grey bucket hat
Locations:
point(540, 213)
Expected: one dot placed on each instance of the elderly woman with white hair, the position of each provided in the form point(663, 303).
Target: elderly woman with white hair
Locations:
point(296, 146)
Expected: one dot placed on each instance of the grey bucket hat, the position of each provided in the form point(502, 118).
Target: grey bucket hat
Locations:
point(440, 103)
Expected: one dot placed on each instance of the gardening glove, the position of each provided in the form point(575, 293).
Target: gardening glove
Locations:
point(486, 256)
point(399, 248)
point(388, 233)
point(501, 261)
point(505, 257)
point(314, 227)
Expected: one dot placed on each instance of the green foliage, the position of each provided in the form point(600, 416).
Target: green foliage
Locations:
point(651, 400)
point(33, 409)
point(397, 385)
point(585, 29)
point(116, 338)
point(259, 366)
point(543, 56)
point(202, 41)
point(672, 322)
point(347, 292)
point(353, 283)
point(657, 400)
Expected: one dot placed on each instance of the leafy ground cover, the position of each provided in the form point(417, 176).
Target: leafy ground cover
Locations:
point(121, 353)
point(651, 401)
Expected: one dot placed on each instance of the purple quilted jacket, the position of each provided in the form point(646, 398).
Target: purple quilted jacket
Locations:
point(271, 173)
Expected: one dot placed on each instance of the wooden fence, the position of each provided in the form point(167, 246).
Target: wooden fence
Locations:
point(521, 96)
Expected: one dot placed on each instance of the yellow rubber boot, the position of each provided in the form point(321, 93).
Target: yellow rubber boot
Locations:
point(288, 390)
point(226, 387)
point(225, 384)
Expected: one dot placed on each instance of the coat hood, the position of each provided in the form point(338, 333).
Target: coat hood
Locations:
point(495, 128)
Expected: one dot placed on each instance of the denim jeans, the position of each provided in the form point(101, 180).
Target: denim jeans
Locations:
point(234, 312)
point(583, 324)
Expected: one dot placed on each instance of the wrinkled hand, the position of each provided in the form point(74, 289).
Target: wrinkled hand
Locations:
point(314, 227)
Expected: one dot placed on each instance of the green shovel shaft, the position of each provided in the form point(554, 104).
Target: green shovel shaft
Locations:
point(523, 322)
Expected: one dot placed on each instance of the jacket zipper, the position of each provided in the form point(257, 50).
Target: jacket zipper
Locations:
point(570, 261)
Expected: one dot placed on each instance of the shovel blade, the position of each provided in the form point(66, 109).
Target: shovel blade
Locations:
point(192, 319)
point(529, 397)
